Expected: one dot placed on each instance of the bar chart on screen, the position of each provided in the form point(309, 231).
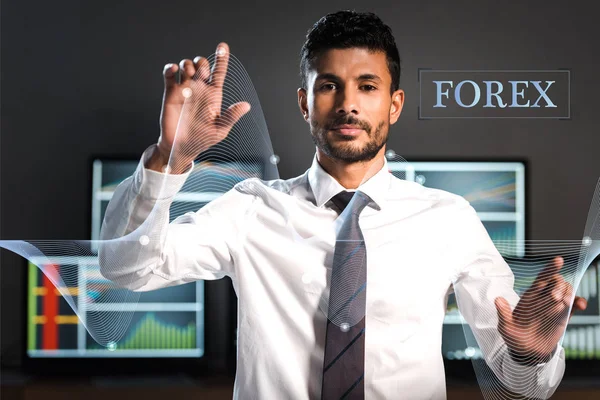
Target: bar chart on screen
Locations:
point(164, 323)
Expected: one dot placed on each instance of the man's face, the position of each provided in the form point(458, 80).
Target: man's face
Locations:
point(348, 104)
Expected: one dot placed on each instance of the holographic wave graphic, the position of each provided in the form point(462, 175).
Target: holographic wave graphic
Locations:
point(129, 250)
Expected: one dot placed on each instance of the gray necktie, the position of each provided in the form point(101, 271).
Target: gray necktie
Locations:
point(344, 361)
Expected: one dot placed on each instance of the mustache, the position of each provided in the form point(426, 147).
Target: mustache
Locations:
point(350, 120)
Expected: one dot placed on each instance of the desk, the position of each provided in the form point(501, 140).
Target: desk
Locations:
point(176, 387)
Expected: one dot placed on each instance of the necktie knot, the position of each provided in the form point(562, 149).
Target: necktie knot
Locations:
point(343, 198)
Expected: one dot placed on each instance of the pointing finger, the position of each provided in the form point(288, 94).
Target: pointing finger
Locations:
point(220, 66)
point(219, 72)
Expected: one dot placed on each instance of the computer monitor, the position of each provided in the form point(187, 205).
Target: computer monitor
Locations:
point(166, 323)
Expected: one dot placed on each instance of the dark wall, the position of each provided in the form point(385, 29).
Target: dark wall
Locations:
point(83, 78)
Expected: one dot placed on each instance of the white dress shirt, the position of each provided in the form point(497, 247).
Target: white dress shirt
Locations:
point(275, 240)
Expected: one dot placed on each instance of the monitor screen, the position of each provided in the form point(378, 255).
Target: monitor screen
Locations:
point(166, 323)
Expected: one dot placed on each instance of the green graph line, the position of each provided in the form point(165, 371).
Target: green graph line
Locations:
point(150, 333)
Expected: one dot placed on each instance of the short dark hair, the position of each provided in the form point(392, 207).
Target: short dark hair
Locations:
point(347, 29)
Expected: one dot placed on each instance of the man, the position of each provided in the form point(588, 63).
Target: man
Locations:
point(385, 271)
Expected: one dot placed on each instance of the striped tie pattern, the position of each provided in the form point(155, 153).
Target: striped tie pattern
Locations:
point(344, 361)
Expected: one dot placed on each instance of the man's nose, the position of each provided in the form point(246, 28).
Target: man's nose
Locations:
point(347, 102)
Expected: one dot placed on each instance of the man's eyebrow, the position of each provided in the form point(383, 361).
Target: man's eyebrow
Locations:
point(369, 77)
point(334, 77)
point(327, 76)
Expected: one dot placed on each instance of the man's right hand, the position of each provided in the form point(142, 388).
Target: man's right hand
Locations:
point(191, 109)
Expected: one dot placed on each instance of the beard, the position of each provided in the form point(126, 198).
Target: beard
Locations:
point(343, 149)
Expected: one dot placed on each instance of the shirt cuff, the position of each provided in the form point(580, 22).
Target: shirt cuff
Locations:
point(545, 368)
point(538, 381)
point(155, 185)
point(532, 362)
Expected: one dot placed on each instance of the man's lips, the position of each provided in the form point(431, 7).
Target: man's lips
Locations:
point(347, 129)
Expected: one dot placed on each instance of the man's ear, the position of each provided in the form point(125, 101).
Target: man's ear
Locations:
point(396, 106)
point(303, 103)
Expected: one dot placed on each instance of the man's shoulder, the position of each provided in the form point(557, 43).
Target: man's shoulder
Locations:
point(274, 187)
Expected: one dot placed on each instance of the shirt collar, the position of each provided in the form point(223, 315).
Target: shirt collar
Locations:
point(324, 186)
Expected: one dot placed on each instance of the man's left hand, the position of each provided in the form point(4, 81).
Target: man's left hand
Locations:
point(532, 330)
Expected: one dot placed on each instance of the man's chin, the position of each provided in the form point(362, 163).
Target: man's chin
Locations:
point(349, 153)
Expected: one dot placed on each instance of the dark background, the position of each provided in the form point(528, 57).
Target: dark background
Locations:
point(83, 78)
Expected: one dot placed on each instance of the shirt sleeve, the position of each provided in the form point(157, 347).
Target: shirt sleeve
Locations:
point(140, 250)
point(482, 276)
